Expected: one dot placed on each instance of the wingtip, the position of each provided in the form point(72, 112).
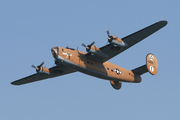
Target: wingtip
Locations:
point(165, 22)
point(13, 83)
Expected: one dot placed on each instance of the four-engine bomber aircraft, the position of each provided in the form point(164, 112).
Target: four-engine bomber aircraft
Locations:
point(95, 61)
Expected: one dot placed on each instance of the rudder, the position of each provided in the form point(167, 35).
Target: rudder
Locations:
point(152, 64)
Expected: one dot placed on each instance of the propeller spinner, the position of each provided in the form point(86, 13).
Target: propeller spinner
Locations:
point(38, 67)
point(88, 47)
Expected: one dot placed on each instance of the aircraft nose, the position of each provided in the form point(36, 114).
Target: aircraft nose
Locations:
point(55, 51)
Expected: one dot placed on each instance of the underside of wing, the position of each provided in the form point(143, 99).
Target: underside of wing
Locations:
point(110, 50)
point(54, 72)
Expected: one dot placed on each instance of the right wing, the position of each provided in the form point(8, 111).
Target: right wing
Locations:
point(130, 40)
point(54, 72)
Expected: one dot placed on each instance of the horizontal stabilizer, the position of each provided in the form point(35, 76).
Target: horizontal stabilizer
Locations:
point(140, 70)
point(151, 66)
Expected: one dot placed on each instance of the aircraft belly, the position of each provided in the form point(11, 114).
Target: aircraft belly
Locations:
point(125, 76)
point(85, 70)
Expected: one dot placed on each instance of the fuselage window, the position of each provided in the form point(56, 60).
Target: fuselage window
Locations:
point(57, 50)
point(62, 49)
point(88, 62)
point(111, 70)
point(107, 68)
point(91, 63)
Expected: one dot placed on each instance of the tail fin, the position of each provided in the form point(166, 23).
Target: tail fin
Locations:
point(151, 66)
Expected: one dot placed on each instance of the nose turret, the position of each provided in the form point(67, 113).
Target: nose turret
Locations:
point(55, 51)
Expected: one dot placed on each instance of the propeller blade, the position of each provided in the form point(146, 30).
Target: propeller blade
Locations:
point(107, 32)
point(33, 66)
point(38, 67)
point(83, 44)
point(92, 43)
point(41, 63)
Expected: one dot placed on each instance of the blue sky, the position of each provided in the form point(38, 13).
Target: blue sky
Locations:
point(29, 29)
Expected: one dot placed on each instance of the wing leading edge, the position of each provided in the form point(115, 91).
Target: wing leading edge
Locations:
point(130, 40)
point(54, 72)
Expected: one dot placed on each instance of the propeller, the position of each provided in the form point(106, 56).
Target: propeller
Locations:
point(88, 47)
point(38, 67)
point(83, 44)
point(92, 43)
point(110, 37)
point(108, 32)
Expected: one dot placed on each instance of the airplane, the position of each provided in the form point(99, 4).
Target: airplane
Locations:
point(95, 61)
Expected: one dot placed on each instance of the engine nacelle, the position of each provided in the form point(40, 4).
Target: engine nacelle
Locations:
point(116, 41)
point(43, 70)
point(96, 51)
point(116, 84)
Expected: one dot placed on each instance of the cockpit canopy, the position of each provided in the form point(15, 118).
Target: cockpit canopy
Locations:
point(70, 48)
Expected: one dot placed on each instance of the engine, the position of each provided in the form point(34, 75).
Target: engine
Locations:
point(117, 42)
point(41, 69)
point(94, 50)
point(116, 84)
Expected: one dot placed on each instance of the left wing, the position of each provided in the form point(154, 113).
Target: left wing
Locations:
point(54, 72)
point(130, 40)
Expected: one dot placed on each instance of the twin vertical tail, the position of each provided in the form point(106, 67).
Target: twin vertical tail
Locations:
point(151, 66)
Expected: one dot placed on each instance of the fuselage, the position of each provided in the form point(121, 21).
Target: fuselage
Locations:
point(77, 60)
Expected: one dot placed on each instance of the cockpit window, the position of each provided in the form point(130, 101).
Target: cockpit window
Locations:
point(55, 51)
point(70, 48)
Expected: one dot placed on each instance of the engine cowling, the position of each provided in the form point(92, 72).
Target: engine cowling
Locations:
point(116, 41)
point(94, 50)
point(43, 70)
point(116, 84)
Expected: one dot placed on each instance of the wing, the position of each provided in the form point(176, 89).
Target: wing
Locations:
point(54, 72)
point(129, 40)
